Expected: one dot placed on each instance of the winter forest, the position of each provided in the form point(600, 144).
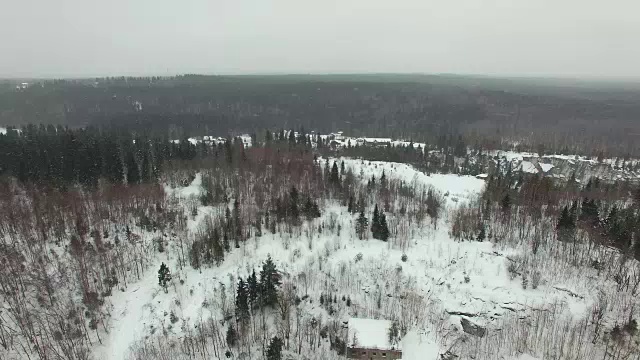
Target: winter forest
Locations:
point(194, 238)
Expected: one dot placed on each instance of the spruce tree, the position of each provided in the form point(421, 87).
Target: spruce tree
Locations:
point(384, 229)
point(375, 223)
point(225, 239)
point(383, 180)
point(636, 197)
point(327, 171)
point(361, 225)
point(350, 206)
point(242, 301)
point(482, 234)
point(294, 212)
point(232, 336)
point(195, 255)
point(237, 224)
point(218, 252)
point(589, 213)
point(334, 178)
point(316, 210)
point(308, 208)
point(506, 203)
point(573, 212)
point(292, 137)
point(254, 290)
point(164, 277)
point(565, 226)
point(269, 282)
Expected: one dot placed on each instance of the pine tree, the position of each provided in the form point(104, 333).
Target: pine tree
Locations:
point(269, 282)
point(361, 225)
point(164, 277)
point(274, 352)
point(242, 304)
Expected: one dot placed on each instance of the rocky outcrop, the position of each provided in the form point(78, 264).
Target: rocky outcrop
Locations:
point(472, 328)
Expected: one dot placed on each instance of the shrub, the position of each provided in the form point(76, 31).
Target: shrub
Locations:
point(404, 258)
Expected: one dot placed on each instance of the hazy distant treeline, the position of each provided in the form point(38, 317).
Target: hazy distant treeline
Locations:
point(556, 115)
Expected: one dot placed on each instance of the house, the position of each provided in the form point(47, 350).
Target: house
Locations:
point(377, 141)
point(534, 166)
point(336, 145)
point(369, 339)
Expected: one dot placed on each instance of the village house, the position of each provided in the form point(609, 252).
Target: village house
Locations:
point(377, 141)
point(370, 339)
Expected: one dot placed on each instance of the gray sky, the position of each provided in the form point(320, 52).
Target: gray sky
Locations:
point(56, 38)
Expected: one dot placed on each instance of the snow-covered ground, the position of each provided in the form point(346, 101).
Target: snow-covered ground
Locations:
point(441, 282)
point(453, 186)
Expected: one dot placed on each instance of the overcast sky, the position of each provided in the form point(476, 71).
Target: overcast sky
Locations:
point(59, 38)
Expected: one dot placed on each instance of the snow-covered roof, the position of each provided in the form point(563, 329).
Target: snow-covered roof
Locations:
point(378, 140)
point(370, 334)
point(528, 167)
point(546, 167)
